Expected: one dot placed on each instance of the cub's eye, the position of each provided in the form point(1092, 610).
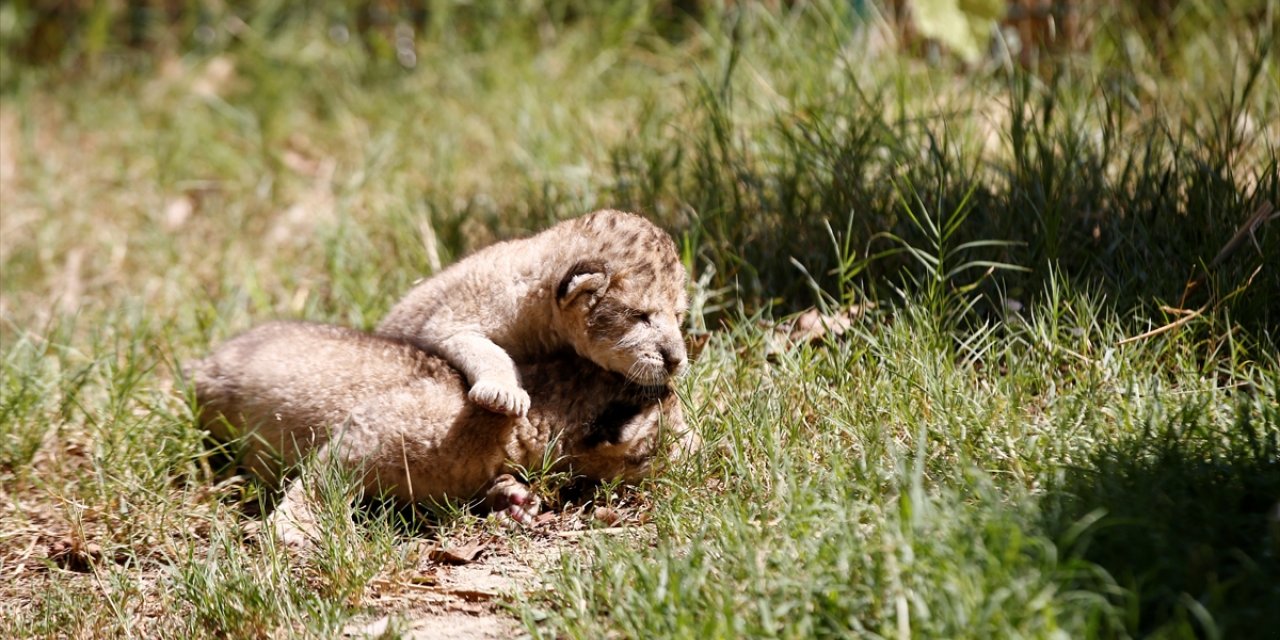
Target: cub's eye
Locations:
point(639, 316)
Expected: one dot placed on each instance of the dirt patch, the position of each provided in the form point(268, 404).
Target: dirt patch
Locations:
point(461, 586)
point(459, 602)
point(471, 600)
point(444, 625)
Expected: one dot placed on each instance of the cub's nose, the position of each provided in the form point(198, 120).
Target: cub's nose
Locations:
point(672, 359)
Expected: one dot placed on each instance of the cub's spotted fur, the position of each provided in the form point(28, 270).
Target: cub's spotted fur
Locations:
point(285, 390)
point(608, 285)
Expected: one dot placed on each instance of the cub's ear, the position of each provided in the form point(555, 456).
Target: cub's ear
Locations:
point(588, 277)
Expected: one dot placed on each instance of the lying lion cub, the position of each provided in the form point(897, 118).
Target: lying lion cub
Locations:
point(385, 407)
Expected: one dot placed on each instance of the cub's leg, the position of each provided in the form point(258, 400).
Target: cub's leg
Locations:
point(495, 385)
point(294, 522)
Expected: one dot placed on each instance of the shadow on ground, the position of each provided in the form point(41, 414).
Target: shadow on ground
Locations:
point(1190, 522)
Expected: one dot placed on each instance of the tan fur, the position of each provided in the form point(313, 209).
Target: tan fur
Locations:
point(608, 285)
point(400, 415)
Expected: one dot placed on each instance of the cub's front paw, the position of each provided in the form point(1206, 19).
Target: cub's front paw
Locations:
point(511, 502)
point(501, 398)
point(292, 535)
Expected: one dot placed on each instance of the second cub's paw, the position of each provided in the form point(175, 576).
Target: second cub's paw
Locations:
point(511, 502)
point(501, 398)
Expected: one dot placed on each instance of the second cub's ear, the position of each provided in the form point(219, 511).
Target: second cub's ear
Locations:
point(584, 277)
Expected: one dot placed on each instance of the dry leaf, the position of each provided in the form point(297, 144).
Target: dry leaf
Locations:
point(473, 595)
point(74, 554)
point(812, 326)
point(695, 343)
point(465, 553)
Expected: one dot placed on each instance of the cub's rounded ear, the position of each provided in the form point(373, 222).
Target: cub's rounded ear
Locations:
point(589, 277)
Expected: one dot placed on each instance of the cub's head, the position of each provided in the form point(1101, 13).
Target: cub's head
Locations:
point(623, 307)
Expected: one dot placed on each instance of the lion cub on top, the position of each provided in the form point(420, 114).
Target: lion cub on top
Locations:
point(609, 285)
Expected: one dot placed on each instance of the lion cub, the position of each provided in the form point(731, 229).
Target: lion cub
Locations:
point(285, 390)
point(608, 285)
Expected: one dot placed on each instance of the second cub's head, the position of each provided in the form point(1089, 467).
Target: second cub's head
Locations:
point(624, 306)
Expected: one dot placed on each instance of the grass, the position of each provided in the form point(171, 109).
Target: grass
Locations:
point(983, 453)
point(899, 488)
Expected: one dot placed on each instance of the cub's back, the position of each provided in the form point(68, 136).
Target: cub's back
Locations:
point(287, 377)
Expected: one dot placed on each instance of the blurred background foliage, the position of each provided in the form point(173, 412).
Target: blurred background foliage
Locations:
point(1121, 144)
point(71, 32)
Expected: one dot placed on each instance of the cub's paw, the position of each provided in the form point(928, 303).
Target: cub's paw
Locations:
point(292, 536)
point(498, 397)
point(511, 502)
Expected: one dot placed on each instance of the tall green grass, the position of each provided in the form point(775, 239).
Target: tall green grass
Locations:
point(1034, 482)
point(1126, 181)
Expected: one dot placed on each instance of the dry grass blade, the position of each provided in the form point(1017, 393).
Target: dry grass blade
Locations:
point(1263, 214)
point(1187, 317)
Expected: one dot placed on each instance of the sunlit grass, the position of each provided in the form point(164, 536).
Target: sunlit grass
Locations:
point(985, 452)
